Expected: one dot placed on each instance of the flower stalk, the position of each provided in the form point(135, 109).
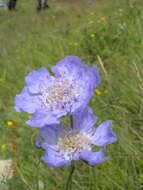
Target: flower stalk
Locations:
point(69, 180)
point(71, 121)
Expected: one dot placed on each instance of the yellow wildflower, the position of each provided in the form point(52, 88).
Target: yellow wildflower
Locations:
point(70, 43)
point(92, 13)
point(91, 22)
point(10, 123)
point(98, 92)
point(75, 44)
point(98, 21)
point(101, 19)
point(2, 79)
point(3, 147)
point(105, 91)
point(92, 35)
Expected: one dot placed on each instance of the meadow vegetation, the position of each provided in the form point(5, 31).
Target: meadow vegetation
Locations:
point(109, 34)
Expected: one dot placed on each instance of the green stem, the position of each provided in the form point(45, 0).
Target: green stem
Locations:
point(69, 180)
point(71, 121)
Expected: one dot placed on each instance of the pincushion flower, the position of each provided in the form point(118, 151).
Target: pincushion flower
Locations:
point(49, 97)
point(76, 143)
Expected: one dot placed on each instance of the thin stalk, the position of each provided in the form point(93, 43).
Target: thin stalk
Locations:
point(71, 121)
point(69, 180)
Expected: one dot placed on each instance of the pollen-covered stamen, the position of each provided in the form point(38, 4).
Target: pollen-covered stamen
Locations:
point(61, 93)
point(73, 142)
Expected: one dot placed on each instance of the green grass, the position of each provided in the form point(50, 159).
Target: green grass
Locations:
point(30, 40)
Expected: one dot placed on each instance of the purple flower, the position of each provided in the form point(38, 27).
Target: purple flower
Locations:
point(62, 146)
point(49, 97)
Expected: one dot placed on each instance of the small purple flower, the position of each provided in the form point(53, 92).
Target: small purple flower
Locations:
point(62, 146)
point(49, 97)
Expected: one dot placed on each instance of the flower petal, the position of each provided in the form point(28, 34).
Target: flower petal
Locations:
point(68, 65)
point(36, 80)
point(35, 76)
point(54, 159)
point(51, 133)
point(42, 118)
point(104, 134)
point(94, 157)
point(74, 66)
point(82, 102)
point(25, 102)
point(84, 120)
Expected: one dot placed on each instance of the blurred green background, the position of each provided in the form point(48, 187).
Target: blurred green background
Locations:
point(108, 33)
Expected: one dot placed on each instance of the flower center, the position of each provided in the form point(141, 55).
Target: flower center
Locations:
point(73, 142)
point(58, 95)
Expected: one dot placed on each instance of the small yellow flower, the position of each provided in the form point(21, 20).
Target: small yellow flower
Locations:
point(92, 13)
point(105, 91)
point(101, 19)
point(92, 35)
point(91, 22)
point(70, 43)
point(98, 21)
point(3, 147)
point(10, 123)
point(2, 79)
point(98, 92)
point(75, 44)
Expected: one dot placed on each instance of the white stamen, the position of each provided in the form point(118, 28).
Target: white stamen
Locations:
point(73, 142)
point(63, 92)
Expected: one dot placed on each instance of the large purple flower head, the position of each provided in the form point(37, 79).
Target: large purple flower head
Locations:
point(63, 146)
point(50, 97)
